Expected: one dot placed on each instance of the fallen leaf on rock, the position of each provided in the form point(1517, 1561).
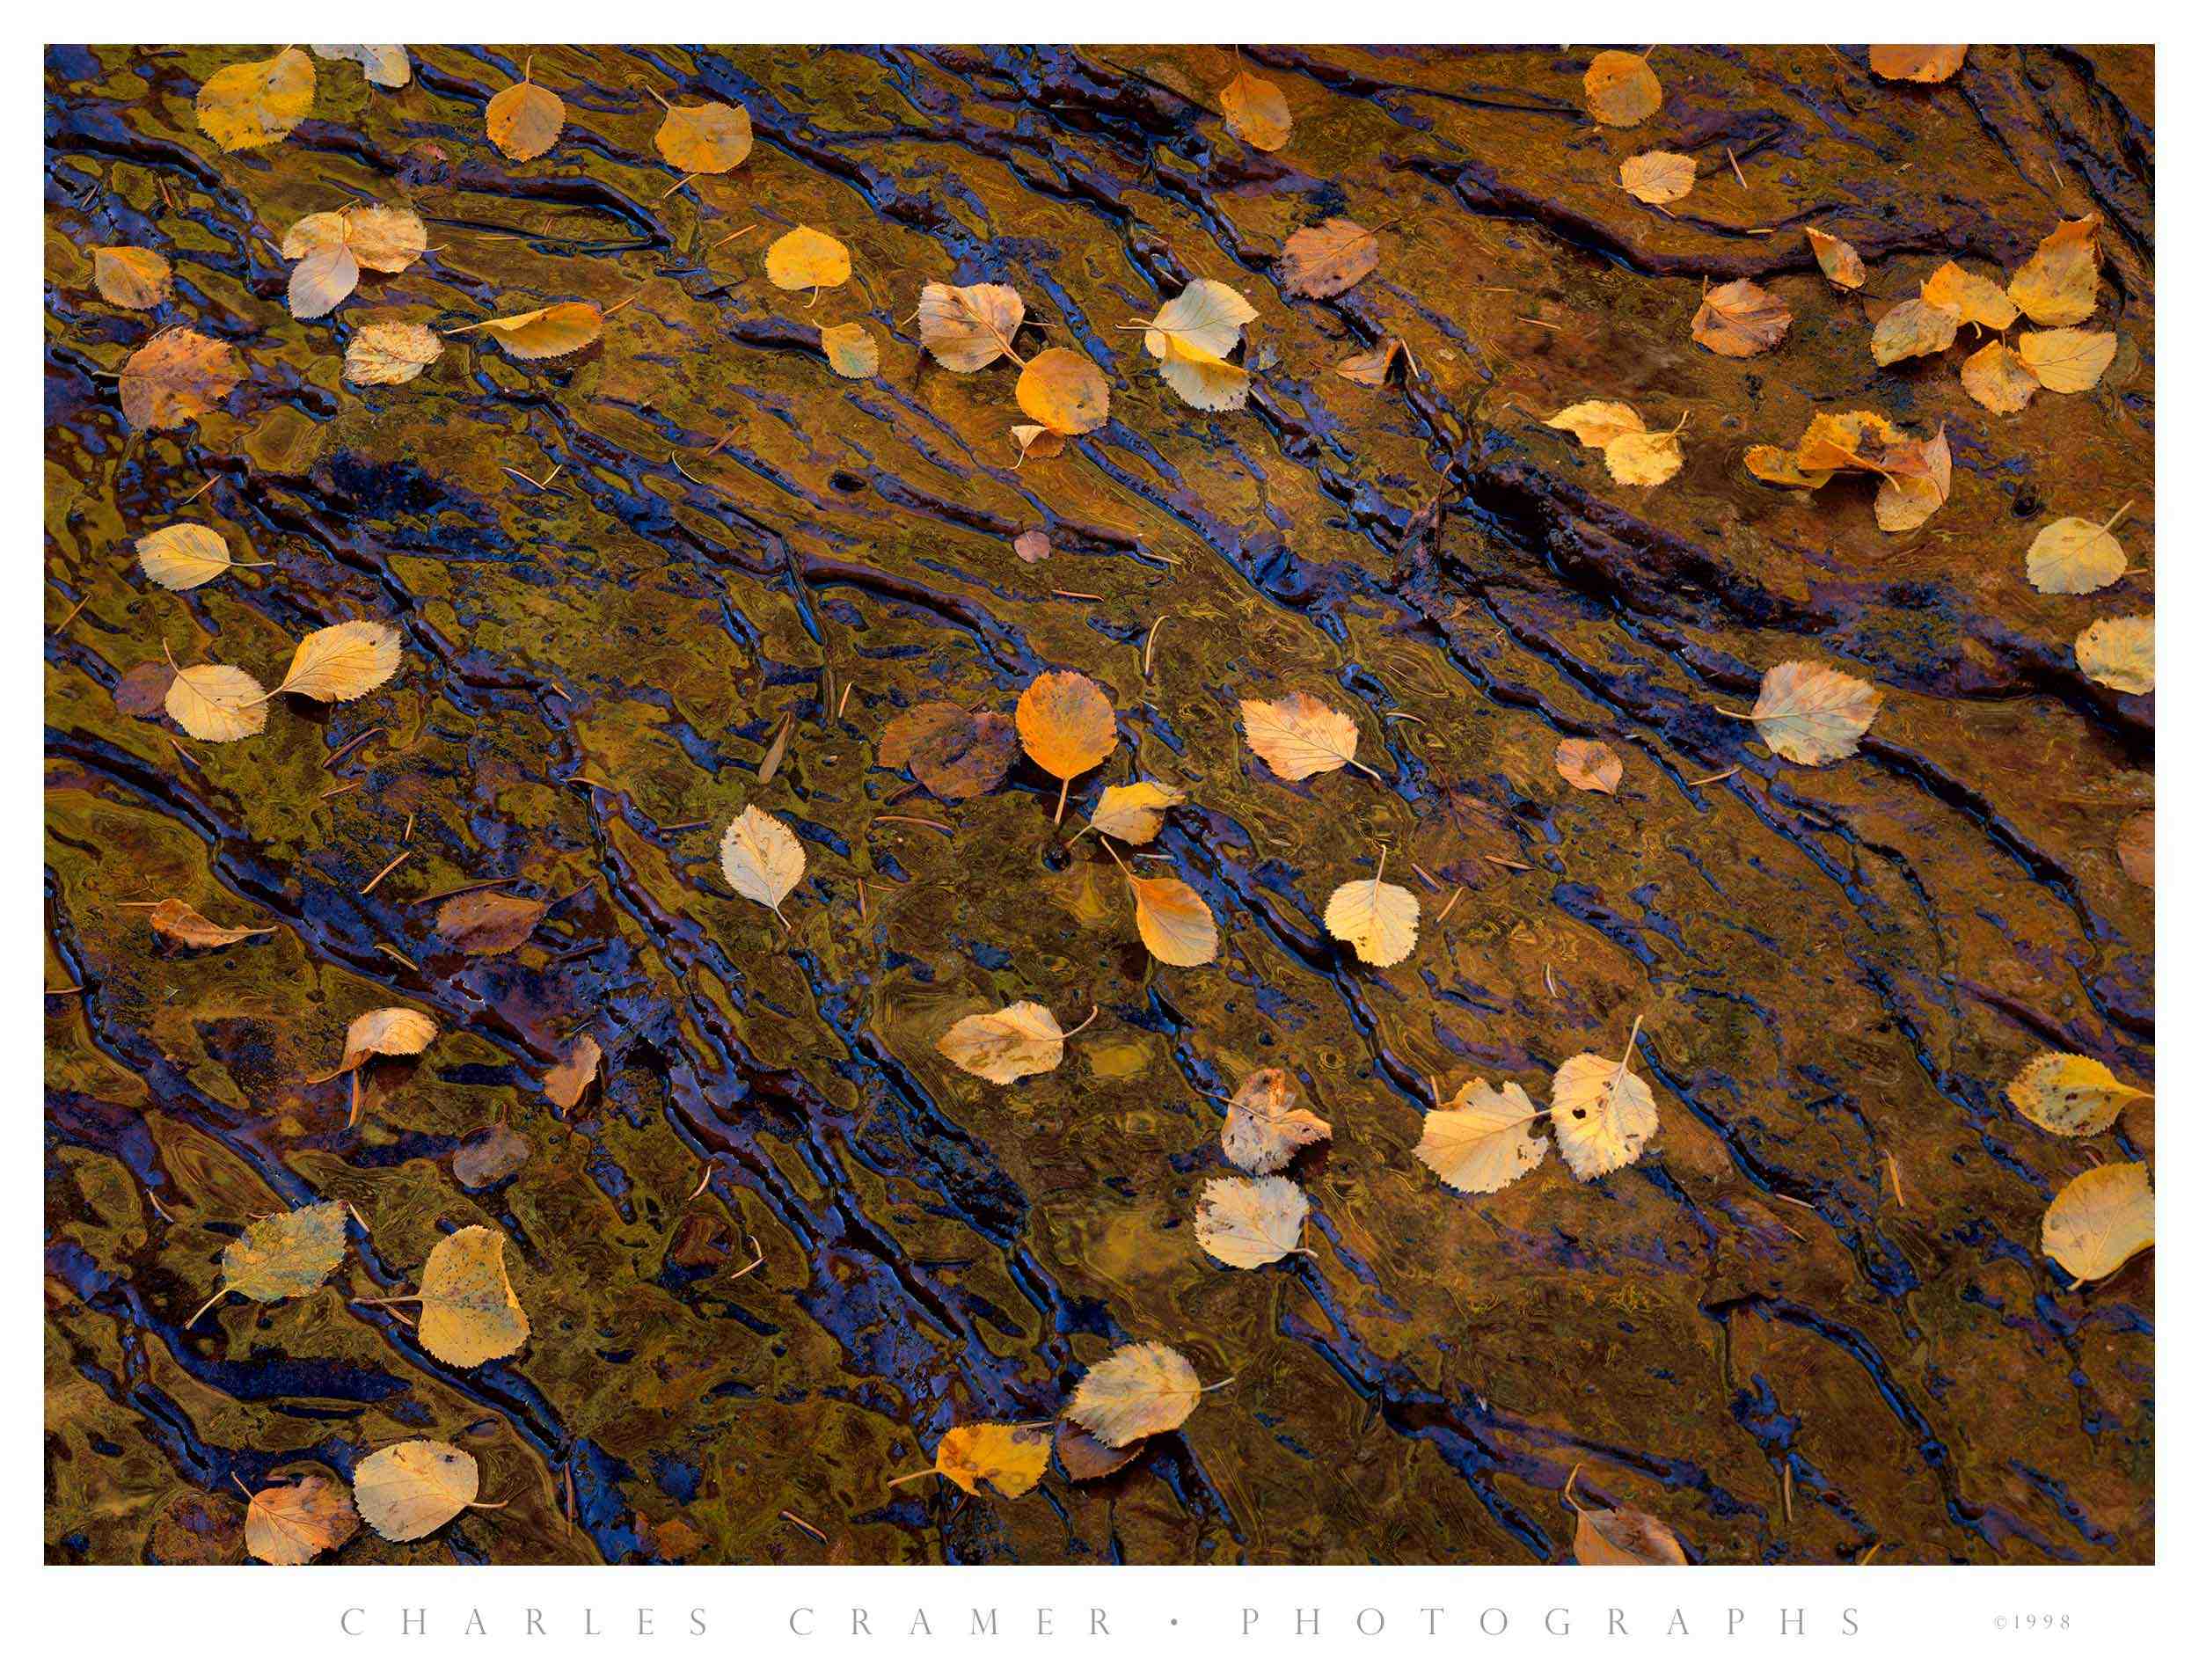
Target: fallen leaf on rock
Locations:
point(344, 660)
point(295, 1521)
point(1602, 1113)
point(1173, 922)
point(2099, 1220)
point(1013, 1456)
point(1297, 737)
point(283, 1255)
point(2074, 556)
point(1622, 90)
point(182, 557)
point(1035, 442)
point(565, 1083)
point(1592, 766)
point(704, 139)
point(1998, 379)
point(1248, 1222)
point(1838, 260)
point(1207, 382)
point(1138, 1391)
point(1372, 366)
point(1065, 391)
point(388, 238)
point(487, 923)
point(384, 1032)
point(1007, 1045)
point(1740, 319)
point(131, 276)
point(2134, 847)
point(524, 120)
point(1085, 1457)
point(541, 334)
point(1264, 1127)
point(1624, 1536)
point(1906, 499)
point(1596, 423)
point(1972, 299)
point(2118, 654)
point(1134, 813)
point(326, 277)
point(1483, 1139)
point(2060, 285)
point(468, 1313)
point(408, 1491)
point(142, 690)
point(1256, 112)
point(1917, 64)
point(1658, 176)
point(383, 66)
point(1205, 316)
point(390, 353)
point(805, 259)
point(1633, 454)
point(177, 375)
point(217, 703)
point(173, 919)
point(243, 105)
point(968, 327)
point(2067, 361)
point(1811, 714)
point(1776, 465)
point(1912, 327)
point(762, 859)
point(1067, 726)
point(496, 1152)
point(1326, 259)
point(851, 349)
point(2071, 1095)
point(956, 753)
point(1379, 920)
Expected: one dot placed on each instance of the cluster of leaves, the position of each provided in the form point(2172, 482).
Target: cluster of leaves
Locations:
point(2100, 1217)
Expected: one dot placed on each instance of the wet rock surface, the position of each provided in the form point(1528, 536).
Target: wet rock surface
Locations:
point(1813, 1321)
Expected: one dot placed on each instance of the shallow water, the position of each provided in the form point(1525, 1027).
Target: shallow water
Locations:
point(1752, 1334)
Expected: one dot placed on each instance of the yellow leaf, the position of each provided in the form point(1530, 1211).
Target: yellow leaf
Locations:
point(387, 237)
point(1483, 1140)
point(1841, 264)
point(2099, 1220)
point(1740, 319)
point(805, 258)
point(1912, 327)
point(286, 1254)
point(2118, 654)
point(1623, 1535)
point(1997, 378)
point(1811, 714)
point(1256, 112)
point(1596, 423)
point(294, 1522)
point(968, 327)
point(344, 660)
point(1066, 723)
point(2067, 361)
point(1327, 259)
point(2071, 1095)
point(1064, 391)
point(1592, 766)
point(1205, 316)
point(1297, 737)
point(1380, 921)
point(182, 557)
point(177, 375)
point(1602, 1113)
point(1969, 298)
point(1623, 90)
point(1917, 64)
point(1658, 176)
point(1248, 1222)
point(1035, 442)
point(2060, 285)
point(1644, 458)
point(468, 1313)
point(762, 859)
point(1906, 499)
point(408, 1491)
point(256, 104)
point(851, 349)
point(1205, 381)
point(540, 334)
point(1006, 1045)
point(390, 353)
point(2074, 556)
point(173, 919)
point(132, 277)
point(1013, 1456)
point(1134, 812)
point(385, 1031)
point(524, 120)
point(217, 703)
point(1174, 922)
point(1781, 466)
point(1264, 1127)
point(1138, 1391)
point(706, 139)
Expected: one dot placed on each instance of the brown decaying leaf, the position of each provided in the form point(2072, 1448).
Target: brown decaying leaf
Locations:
point(1064, 391)
point(255, 104)
point(495, 1152)
point(565, 1083)
point(1592, 766)
point(294, 1521)
point(2134, 847)
point(956, 753)
point(1912, 327)
point(383, 66)
point(1906, 499)
point(1255, 110)
point(1740, 319)
point(141, 691)
point(1265, 1126)
point(175, 376)
point(487, 923)
point(524, 120)
point(1036, 443)
point(1034, 546)
point(1623, 91)
point(1085, 1457)
point(966, 328)
point(1917, 64)
point(173, 919)
point(1372, 366)
point(131, 276)
point(1658, 176)
point(1326, 259)
point(1840, 261)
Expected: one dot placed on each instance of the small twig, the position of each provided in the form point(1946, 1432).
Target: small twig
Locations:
point(1705, 781)
point(1150, 634)
point(364, 735)
point(383, 874)
point(810, 1529)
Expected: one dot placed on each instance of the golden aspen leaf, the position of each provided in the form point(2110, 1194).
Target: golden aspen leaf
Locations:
point(805, 258)
point(1602, 1114)
point(1065, 391)
point(2071, 1095)
point(706, 139)
point(1811, 714)
point(968, 327)
point(131, 276)
point(851, 349)
point(2074, 557)
point(344, 660)
point(408, 1491)
point(1917, 64)
point(295, 1521)
point(1265, 1126)
point(1379, 920)
point(762, 859)
point(1085, 1457)
point(327, 275)
point(1840, 261)
point(173, 919)
point(2134, 847)
point(1596, 423)
point(1592, 766)
point(1623, 1536)
point(2060, 285)
point(1134, 812)
point(1013, 1456)
point(1859, 439)
point(390, 353)
point(1256, 112)
point(1906, 499)
point(1326, 259)
point(243, 105)
point(1482, 1139)
point(1740, 319)
point(2099, 1220)
point(1205, 381)
point(2118, 654)
point(565, 1083)
point(1912, 327)
point(1135, 1391)
point(1297, 737)
point(1775, 465)
point(1036, 443)
point(540, 334)
point(2067, 361)
point(286, 1254)
point(1623, 91)
point(468, 1313)
point(1174, 922)
point(1372, 366)
point(956, 753)
point(182, 557)
point(1006, 1045)
point(1206, 316)
point(1066, 722)
point(177, 375)
point(385, 1031)
point(524, 121)
point(487, 923)
point(1997, 378)
point(1971, 298)
point(1645, 459)
point(1249, 1223)
point(383, 66)
point(217, 703)
point(1658, 176)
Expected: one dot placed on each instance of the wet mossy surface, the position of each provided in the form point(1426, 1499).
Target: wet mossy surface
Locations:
point(1811, 1322)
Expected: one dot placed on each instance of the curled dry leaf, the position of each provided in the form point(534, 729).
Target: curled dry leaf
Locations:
point(487, 923)
point(1174, 922)
point(2118, 654)
point(493, 1153)
point(1013, 1456)
point(1380, 920)
point(468, 1313)
point(1248, 1222)
point(1006, 1045)
point(968, 327)
point(390, 353)
point(344, 660)
point(541, 334)
point(1592, 766)
point(295, 1521)
point(1297, 737)
point(1841, 264)
point(243, 105)
point(1264, 1127)
point(408, 1491)
point(1035, 443)
point(804, 259)
point(1917, 64)
point(1085, 1457)
point(182, 557)
point(1972, 299)
point(762, 859)
point(1372, 366)
point(565, 1083)
point(131, 276)
point(2099, 1220)
point(1905, 500)
point(704, 139)
point(173, 919)
point(2000, 379)
point(1623, 91)
point(1602, 1113)
point(1912, 327)
point(2060, 285)
point(2074, 556)
point(1134, 813)
point(1740, 319)
point(384, 66)
point(524, 120)
point(1135, 1391)
point(1658, 176)
point(1812, 714)
point(956, 753)
point(1623, 1534)
point(1256, 112)
point(217, 703)
point(1482, 1139)
point(384, 1031)
point(2134, 847)
point(2071, 1095)
point(1326, 259)
point(1065, 391)
point(851, 349)
point(177, 375)
point(2067, 361)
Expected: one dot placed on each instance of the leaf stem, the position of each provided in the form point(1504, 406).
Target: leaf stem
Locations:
point(200, 1314)
point(1080, 1026)
point(1631, 1037)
